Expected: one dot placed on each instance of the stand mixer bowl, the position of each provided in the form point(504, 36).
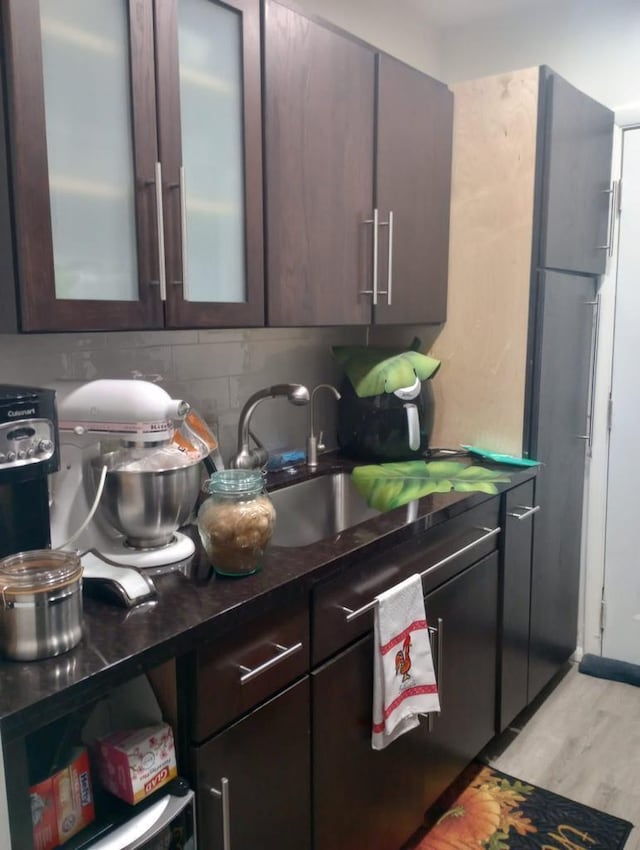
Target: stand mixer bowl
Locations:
point(147, 506)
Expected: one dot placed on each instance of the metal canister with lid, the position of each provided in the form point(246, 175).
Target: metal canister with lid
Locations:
point(40, 604)
point(236, 521)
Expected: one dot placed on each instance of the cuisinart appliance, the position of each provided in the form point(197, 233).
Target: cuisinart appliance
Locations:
point(28, 453)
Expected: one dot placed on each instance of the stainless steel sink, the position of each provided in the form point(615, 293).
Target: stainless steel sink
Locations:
point(317, 508)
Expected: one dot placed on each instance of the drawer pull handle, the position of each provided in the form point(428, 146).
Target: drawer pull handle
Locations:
point(490, 532)
point(223, 793)
point(283, 652)
point(528, 511)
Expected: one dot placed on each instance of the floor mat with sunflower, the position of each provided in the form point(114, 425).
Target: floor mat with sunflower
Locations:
point(497, 812)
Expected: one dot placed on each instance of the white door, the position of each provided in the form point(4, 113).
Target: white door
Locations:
point(621, 636)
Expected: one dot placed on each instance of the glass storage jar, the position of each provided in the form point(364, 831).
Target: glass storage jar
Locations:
point(236, 521)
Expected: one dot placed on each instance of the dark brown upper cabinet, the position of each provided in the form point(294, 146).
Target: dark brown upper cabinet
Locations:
point(577, 197)
point(358, 164)
point(135, 163)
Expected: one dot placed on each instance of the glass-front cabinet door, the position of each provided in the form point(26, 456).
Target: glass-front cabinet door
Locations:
point(209, 131)
point(83, 153)
point(135, 157)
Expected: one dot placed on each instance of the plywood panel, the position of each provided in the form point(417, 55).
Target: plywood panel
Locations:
point(481, 387)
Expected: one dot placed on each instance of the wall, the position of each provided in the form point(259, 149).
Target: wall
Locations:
point(591, 43)
point(216, 371)
point(397, 28)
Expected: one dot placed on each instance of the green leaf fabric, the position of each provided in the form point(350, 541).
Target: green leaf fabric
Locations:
point(374, 371)
point(389, 485)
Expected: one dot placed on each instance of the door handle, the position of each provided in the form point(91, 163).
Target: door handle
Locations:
point(375, 221)
point(613, 194)
point(389, 224)
point(439, 632)
point(162, 273)
point(223, 794)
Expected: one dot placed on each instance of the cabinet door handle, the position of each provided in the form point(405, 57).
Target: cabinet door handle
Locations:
point(283, 652)
point(375, 221)
point(439, 655)
point(390, 269)
point(490, 532)
point(387, 291)
point(162, 273)
point(612, 192)
point(183, 235)
point(223, 794)
point(528, 511)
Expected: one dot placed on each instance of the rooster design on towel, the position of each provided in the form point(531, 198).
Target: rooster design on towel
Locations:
point(403, 659)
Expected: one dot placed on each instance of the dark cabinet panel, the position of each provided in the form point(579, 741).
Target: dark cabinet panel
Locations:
point(413, 182)
point(41, 308)
point(265, 760)
point(515, 598)
point(576, 179)
point(566, 316)
point(319, 121)
point(465, 612)
point(103, 219)
point(361, 798)
point(375, 799)
point(358, 179)
point(184, 309)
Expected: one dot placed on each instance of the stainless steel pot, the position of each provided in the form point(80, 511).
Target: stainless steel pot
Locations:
point(41, 604)
point(147, 506)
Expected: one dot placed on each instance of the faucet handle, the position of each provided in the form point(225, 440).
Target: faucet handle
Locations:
point(320, 446)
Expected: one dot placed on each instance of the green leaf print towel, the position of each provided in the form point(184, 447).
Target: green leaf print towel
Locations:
point(389, 485)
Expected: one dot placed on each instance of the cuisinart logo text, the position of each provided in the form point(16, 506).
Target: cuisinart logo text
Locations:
point(14, 414)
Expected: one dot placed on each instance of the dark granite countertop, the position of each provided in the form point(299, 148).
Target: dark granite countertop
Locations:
point(195, 606)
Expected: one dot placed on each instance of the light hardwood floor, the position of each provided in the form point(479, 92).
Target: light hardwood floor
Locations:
point(583, 742)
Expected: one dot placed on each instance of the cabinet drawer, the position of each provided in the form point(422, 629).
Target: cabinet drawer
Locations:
point(334, 599)
point(242, 669)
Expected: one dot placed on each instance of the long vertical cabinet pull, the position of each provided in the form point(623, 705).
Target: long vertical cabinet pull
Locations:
point(183, 234)
point(162, 273)
point(223, 794)
point(439, 632)
point(613, 206)
point(390, 261)
point(389, 224)
point(375, 221)
point(588, 437)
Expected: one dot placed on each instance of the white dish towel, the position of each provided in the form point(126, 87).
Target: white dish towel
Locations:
point(404, 682)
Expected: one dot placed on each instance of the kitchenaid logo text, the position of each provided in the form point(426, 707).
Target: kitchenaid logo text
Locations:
point(13, 414)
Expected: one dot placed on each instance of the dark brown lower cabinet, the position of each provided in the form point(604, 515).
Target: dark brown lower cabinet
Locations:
point(567, 314)
point(515, 601)
point(264, 759)
point(465, 612)
point(375, 800)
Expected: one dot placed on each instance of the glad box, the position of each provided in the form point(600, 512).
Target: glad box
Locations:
point(134, 764)
point(62, 804)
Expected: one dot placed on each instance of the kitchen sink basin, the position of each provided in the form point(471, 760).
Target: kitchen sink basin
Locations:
point(317, 508)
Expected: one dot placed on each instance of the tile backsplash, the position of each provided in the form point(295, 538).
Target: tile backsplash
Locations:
point(216, 371)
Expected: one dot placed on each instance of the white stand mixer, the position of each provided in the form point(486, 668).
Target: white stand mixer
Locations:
point(151, 483)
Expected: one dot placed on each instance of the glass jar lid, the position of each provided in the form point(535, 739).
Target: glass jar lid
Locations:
point(38, 570)
point(235, 482)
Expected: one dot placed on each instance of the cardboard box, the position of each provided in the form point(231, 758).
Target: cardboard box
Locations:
point(62, 805)
point(134, 764)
